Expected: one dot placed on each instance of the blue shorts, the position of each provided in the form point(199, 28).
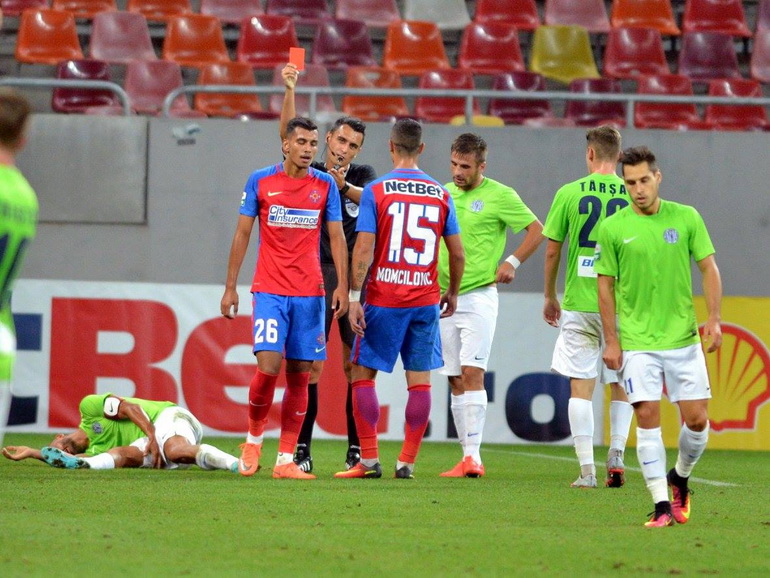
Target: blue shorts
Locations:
point(411, 331)
point(292, 326)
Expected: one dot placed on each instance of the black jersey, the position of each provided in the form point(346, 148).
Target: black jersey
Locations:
point(358, 176)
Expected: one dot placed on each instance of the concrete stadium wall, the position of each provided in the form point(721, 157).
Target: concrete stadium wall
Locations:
point(156, 200)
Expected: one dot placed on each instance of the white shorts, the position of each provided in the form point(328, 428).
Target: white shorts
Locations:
point(466, 336)
point(681, 371)
point(172, 421)
point(578, 349)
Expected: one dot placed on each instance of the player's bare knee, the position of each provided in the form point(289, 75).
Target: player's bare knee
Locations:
point(179, 450)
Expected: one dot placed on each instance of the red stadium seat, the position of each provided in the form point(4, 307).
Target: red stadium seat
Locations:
point(77, 100)
point(14, 8)
point(413, 47)
point(304, 12)
point(376, 13)
point(47, 37)
point(708, 55)
point(590, 14)
point(148, 82)
point(518, 110)
point(85, 8)
point(736, 117)
point(120, 37)
point(760, 56)
point(313, 75)
point(264, 41)
point(671, 116)
point(342, 43)
point(490, 48)
point(231, 11)
point(442, 109)
point(521, 13)
point(159, 10)
point(374, 108)
point(725, 16)
point(194, 40)
point(634, 51)
point(227, 104)
point(596, 112)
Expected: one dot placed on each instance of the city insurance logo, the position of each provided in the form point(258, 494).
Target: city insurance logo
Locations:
point(739, 373)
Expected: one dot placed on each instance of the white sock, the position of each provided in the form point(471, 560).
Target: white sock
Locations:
point(652, 459)
point(250, 439)
point(457, 406)
point(211, 458)
point(103, 461)
point(284, 458)
point(691, 446)
point(581, 424)
point(621, 414)
point(475, 411)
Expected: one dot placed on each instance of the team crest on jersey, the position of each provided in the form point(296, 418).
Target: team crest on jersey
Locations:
point(97, 427)
point(671, 236)
point(280, 216)
point(315, 196)
point(477, 206)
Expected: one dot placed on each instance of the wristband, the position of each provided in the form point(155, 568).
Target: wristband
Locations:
point(345, 189)
point(513, 261)
point(354, 295)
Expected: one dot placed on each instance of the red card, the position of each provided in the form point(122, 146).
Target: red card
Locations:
point(297, 57)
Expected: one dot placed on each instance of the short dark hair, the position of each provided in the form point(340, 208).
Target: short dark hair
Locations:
point(299, 122)
point(469, 143)
point(14, 112)
point(356, 124)
point(605, 140)
point(637, 155)
point(406, 136)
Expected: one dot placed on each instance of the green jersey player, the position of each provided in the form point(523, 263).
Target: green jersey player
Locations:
point(18, 221)
point(485, 210)
point(577, 210)
point(644, 253)
point(129, 432)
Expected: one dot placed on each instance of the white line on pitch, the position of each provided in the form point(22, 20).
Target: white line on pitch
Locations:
point(566, 459)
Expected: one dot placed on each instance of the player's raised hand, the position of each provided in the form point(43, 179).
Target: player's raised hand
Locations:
point(356, 318)
point(290, 74)
point(552, 312)
point(229, 304)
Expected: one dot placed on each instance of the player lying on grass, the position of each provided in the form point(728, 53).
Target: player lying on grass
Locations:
point(117, 432)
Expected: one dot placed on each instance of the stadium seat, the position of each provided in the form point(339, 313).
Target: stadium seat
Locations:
point(708, 55)
point(373, 108)
point(194, 40)
point(159, 10)
point(443, 109)
point(264, 41)
point(736, 117)
point(656, 14)
point(521, 13)
point(227, 104)
point(231, 11)
point(562, 53)
point(725, 16)
point(448, 14)
point(634, 51)
point(85, 8)
point(313, 75)
point(341, 43)
point(490, 48)
point(413, 47)
point(77, 100)
point(14, 8)
point(119, 37)
point(376, 13)
point(148, 82)
point(671, 116)
point(596, 112)
point(47, 37)
point(549, 122)
point(760, 56)
point(762, 20)
point(516, 111)
point(477, 120)
point(304, 12)
point(590, 14)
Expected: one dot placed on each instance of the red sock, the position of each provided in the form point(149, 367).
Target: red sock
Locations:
point(366, 411)
point(293, 410)
point(417, 417)
point(261, 391)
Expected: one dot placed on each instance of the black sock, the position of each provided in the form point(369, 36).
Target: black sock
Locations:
point(676, 480)
point(306, 433)
point(352, 431)
point(663, 507)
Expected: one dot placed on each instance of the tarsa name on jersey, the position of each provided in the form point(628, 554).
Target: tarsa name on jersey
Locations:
point(591, 186)
point(407, 187)
point(280, 216)
point(404, 277)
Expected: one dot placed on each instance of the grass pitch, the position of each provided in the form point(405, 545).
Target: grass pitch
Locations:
point(522, 519)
